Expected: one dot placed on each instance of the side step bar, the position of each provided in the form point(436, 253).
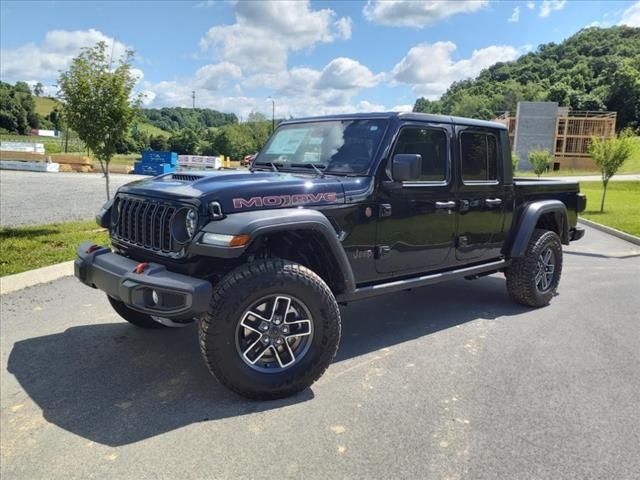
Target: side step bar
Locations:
point(398, 285)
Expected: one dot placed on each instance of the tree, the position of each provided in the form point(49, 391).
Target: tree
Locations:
point(186, 142)
point(38, 89)
point(98, 102)
point(159, 143)
point(540, 161)
point(609, 154)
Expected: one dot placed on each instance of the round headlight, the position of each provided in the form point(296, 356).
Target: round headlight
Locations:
point(191, 222)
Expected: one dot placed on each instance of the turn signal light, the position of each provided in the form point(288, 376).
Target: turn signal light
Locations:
point(239, 240)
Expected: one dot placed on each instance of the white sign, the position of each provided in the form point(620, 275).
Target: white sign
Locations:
point(199, 162)
point(22, 147)
point(30, 166)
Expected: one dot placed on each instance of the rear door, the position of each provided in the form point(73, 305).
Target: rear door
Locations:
point(481, 194)
point(416, 225)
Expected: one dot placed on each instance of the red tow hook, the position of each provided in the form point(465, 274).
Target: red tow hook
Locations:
point(93, 248)
point(140, 268)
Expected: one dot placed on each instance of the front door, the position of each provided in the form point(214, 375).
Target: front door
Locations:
point(416, 224)
point(482, 197)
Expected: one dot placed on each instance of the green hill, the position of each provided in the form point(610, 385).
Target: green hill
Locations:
point(45, 105)
point(595, 69)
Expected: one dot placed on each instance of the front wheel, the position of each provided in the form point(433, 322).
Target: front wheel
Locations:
point(272, 329)
point(533, 279)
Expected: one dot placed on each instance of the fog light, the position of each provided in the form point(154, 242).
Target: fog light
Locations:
point(155, 298)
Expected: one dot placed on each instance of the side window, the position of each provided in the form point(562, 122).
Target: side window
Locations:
point(479, 154)
point(431, 144)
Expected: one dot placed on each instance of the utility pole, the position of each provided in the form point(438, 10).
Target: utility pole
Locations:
point(193, 97)
point(273, 114)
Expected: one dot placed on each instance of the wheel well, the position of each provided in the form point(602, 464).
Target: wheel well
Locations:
point(554, 222)
point(548, 221)
point(307, 248)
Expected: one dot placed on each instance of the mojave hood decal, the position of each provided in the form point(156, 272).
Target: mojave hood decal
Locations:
point(294, 200)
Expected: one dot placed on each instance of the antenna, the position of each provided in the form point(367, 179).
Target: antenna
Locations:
point(193, 97)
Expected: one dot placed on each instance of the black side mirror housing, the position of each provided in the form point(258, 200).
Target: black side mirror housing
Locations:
point(406, 167)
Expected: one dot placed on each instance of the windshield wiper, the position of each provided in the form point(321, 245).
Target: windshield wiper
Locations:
point(274, 166)
point(307, 165)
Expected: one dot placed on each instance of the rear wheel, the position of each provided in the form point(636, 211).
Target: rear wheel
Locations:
point(272, 329)
point(533, 279)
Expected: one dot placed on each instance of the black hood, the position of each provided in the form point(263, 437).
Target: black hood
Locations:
point(238, 190)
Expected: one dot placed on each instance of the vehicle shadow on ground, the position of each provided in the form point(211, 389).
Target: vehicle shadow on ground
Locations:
point(115, 384)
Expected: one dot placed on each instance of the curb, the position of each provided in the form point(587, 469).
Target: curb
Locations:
point(18, 281)
point(611, 231)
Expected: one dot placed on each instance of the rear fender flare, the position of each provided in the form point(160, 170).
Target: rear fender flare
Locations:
point(529, 218)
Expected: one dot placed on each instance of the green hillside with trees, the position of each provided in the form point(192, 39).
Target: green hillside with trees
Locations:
point(595, 69)
point(177, 118)
point(182, 130)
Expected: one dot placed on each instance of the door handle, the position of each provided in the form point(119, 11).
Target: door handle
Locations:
point(446, 205)
point(493, 202)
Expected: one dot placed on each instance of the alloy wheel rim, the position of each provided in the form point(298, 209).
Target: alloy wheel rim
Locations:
point(545, 270)
point(274, 333)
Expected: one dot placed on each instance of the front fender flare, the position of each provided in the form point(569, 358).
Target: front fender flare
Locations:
point(529, 218)
point(261, 222)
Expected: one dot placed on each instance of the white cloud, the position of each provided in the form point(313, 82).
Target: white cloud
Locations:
point(265, 32)
point(549, 6)
point(515, 16)
point(312, 102)
point(403, 108)
point(430, 68)
point(631, 16)
point(44, 61)
point(214, 76)
point(417, 14)
point(531, 5)
point(345, 74)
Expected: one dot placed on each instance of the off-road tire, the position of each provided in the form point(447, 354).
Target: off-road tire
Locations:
point(234, 294)
point(139, 319)
point(521, 274)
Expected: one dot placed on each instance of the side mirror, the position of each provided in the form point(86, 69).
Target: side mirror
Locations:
point(406, 167)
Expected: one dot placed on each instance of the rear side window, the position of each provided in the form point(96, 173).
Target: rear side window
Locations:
point(431, 144)
point(479, 154)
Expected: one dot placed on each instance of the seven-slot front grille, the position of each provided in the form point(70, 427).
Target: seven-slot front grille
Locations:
point(146, 223)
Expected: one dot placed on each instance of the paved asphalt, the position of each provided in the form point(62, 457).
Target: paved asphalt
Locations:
point(34, 198)
point(450, 381)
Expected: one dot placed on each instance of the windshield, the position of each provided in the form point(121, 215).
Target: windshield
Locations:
point(341, 146)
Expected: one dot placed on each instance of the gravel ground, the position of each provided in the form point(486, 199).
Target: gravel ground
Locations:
point(34, 198)
point(448, 381)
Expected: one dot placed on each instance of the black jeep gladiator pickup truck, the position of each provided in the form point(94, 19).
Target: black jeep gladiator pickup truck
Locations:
point(333, 209)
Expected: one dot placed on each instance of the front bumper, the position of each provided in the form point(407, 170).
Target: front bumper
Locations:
point(155, 290)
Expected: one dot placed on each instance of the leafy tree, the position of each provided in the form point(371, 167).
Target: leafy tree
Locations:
point(98, 104)
point(38, 89)
point(610, 154)
point(159, 143)
point(540, 161)
point(186, 142)
point(515, 160)
point(22, 87)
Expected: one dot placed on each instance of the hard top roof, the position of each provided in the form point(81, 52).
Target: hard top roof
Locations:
point(420, 117)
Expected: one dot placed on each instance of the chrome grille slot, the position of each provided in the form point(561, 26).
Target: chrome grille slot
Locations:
point(146, 223)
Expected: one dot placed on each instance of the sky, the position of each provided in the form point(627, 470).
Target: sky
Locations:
point(310, 57)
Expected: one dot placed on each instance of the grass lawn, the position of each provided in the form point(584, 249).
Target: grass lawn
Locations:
point(26, 248)
point(621, 208)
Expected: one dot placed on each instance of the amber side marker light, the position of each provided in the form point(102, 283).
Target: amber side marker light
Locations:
point(221, 240)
